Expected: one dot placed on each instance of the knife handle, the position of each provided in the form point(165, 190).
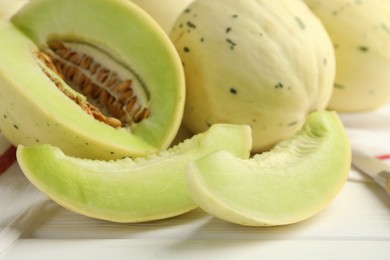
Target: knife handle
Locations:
point(383, 179)
point(387, 186)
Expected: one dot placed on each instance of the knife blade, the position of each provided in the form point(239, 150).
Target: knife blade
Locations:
point(373, 167)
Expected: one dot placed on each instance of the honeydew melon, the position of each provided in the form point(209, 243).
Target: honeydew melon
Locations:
point(8, 8)
point(164, 12)
point(360, 32)
point(264, 63)
point(123, 44)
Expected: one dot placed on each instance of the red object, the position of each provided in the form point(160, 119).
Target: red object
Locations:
point(7, 158)
point(383, 157)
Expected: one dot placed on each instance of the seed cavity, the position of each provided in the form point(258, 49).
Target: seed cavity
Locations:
point(112, 93)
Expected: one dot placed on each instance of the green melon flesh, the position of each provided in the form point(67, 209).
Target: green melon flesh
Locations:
point(290, 183)
point(125, 190)
point(33, 110)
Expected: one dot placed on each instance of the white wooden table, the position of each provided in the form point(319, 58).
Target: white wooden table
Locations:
point(355, 226)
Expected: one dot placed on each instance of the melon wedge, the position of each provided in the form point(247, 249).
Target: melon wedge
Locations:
point(127, 190)
point(288, 184)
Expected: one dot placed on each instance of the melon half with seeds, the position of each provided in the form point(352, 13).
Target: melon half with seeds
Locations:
point(99, 79)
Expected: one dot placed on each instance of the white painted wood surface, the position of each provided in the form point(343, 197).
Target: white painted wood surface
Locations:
point(355, 226)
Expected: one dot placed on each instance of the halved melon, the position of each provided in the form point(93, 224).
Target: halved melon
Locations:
point(99, 79)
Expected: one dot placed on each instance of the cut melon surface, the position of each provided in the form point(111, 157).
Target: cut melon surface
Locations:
point(290, 183)
point(127, 190)
point(119, 37)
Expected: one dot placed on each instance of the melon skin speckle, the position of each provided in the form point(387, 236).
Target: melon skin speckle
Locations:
point(267, 64)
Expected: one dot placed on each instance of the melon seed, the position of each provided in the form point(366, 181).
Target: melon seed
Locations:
point(111, 99)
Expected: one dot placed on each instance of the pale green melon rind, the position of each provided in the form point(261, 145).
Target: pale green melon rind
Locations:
point(247, 39)
point(126, 190)
point(129, 35)
point(51, 117)
point(362, 54)
point(294, 181)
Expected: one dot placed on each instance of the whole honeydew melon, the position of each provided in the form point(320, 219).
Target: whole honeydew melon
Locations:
point(360, 31)
point(263, 63)
point(164, 12)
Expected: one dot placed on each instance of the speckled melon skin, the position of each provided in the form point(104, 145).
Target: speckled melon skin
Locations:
point(263, 63)
point(360, 31)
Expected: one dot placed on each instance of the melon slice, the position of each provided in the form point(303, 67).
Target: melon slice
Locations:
point(127, 190)
point(290, 183)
